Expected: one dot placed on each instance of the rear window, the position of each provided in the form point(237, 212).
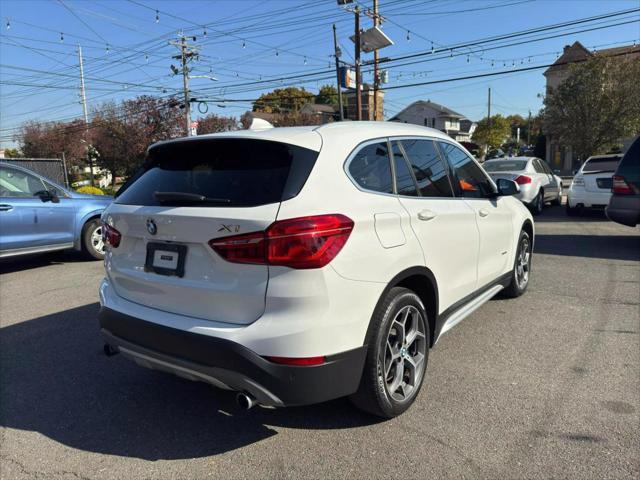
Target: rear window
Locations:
point(505, 166)
point(220, 173)
point(604, 164)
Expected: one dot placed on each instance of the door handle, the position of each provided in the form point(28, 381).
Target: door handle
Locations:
point(482, 212)
point(5, 208)
point(427, 215)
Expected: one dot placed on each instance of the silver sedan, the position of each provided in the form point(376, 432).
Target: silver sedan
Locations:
point(538, 184)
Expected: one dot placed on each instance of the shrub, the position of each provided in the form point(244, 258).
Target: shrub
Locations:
point(90, 190)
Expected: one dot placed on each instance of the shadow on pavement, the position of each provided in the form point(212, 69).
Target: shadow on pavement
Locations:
point(27, 262)
point(56, 381)
point(558, 214)
point(614, 247)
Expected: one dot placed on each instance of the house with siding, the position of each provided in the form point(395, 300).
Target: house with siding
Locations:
point(434, 115)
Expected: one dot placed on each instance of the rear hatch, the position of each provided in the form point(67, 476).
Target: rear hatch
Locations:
point(598, 173)
point(192, 191)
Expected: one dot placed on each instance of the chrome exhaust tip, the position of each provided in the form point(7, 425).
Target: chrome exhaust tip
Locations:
point(245, 401)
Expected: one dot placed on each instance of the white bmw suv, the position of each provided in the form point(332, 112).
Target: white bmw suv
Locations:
point(298, 265)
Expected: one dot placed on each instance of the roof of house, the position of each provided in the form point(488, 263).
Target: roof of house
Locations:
point(317, 108)
point(465, 125)
point(577, 52)
point(444, 111)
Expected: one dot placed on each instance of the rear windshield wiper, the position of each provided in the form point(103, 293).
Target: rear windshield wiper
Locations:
point(183, 197)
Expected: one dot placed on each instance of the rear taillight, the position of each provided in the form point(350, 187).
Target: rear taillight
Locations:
point(577, 182)
point(299, 362)
point(304, 242)
point(522, 179)
point(620, 186)
point(110, 236)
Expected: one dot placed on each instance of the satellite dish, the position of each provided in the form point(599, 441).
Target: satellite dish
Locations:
point(259, 124)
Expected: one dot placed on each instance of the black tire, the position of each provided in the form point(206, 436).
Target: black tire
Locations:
point(373, 394)
point(557, 201)
point(88, 249)
point(538, 203)
point(517, 287)
point(572, 211)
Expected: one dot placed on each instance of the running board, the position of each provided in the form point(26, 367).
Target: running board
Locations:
point(32, 250)
point(467, 309)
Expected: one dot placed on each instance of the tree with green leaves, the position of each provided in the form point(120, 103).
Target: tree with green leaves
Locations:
point(12, 153)
point(596, 106)
point(327, 95)
point(283, 100)
point(495, 135)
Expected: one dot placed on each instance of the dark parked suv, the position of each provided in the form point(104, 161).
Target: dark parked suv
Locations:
point(624, 206)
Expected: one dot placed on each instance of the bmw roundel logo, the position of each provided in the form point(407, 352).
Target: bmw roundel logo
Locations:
point(152, 228)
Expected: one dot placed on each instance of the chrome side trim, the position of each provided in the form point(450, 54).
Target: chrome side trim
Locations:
point(467, 309)
point(40, 249)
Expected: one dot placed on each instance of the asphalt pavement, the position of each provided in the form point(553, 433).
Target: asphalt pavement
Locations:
point(544, 386)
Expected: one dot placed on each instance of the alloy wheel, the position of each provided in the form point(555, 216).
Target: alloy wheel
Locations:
point(405, 353)
point(523, 263)
point(97, 243)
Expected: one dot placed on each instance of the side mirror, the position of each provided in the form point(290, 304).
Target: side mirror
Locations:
point(507, 187)
point(48, 196)
point(575, 172)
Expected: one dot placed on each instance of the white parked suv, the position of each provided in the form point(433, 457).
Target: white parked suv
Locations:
point(298, 265)
point(592, 183)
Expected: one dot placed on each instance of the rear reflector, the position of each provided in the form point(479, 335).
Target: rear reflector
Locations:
point(522, 179)
point(300, 362)
point(620, 186)
point(110, 236)
point(303, 242)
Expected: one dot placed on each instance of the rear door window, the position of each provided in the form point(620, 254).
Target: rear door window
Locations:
point(428, 168)
point(220, 173)
point(405, 183)
point(370, 168)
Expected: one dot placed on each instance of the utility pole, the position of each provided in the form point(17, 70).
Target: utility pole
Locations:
point(337, 55)
point(489, 116)
point(376, 80)
point(529, 130)
point(83, 98)
point(186, 53)
point(356, 12)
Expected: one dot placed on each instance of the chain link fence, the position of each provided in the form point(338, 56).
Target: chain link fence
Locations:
point(51, 168)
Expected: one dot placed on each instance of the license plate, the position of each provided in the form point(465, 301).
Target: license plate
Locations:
point(604, 183)
point(165, 259)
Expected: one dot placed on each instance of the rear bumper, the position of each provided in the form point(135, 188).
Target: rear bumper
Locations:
point(588, 199)
point(227, 364)
point(624, 209)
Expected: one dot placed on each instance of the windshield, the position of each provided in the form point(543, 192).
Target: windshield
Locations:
point(220, 172)
point(505, 166)
point(601, 164)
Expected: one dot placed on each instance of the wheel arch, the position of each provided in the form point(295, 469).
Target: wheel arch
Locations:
point(527, 226)
point(77, 241)
point(423, 282)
